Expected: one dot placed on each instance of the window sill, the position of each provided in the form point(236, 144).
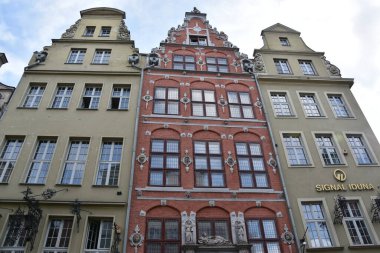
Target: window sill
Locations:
point(4, 183)
point(316, 117)
point(361, 247)
point(54, 108)
point(105, 186)
point(325, 249)
point(368, 165)
point(117, 109)
point(286, 116)
point(349, 117)
point(334, 165)
point(301, 166)
point(69, 185)
point(87, 109)
point(37, 184)
point(106, 63)
point(75, 63)
point(27, 108)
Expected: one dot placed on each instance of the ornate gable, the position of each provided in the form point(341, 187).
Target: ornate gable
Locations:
point(196, 30)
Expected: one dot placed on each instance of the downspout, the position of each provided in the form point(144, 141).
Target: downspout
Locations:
point(130, 187)
point(279, 168)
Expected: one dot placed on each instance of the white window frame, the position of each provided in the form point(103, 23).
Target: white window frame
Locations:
point(76, 56)
point(334, 146)
point(34, 95)
point(41, 162)
point(64, 97)
point(102, 220)
point(337, 107)
point(87, 33)
point(124, 95)
point(307, 67)
point(310, 106)
point(365, 146)
point(101, 56)
point(282, 66)
point(93, 96)
point(365, 218)
point(304, 147)
point(58, 238)
point(77, 162)
point(284, 41)
point(109, 163)
point(10, 162)
point(288, 104)
point(327, 216)
point(105, 31)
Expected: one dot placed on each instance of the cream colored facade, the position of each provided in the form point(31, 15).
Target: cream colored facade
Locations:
point(319, 131)
point(91, 133)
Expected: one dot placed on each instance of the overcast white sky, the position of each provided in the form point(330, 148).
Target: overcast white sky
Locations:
point(348, 31)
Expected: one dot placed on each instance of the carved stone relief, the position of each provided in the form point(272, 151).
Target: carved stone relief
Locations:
point(239, 234)
point(188, 228)
point(71, 31)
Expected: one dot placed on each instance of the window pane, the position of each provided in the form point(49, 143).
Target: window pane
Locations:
point(158, 146)
point(253, 229)
point(171, 230)
point(196, 95)
point(241, 149)
point(209, 96)
point(217, 179)
point(211, 110)
point(246, 180)
point(154, 230)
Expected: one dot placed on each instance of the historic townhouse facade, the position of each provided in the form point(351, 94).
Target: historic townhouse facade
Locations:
point(328, 152)
point(66, 141)
point(205, 178)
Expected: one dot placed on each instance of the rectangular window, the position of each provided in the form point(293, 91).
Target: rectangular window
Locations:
point(198, 40)
point(284, 42)
point(109, 163)
point(251, 165)
point(281, 104)
point(359, 149)
point(240, 105)
point(164, 163)
point(105, 31)
point(166, 101)
point(307, 67)
point(355, 223)
point(62, 96)
point(327, 149)
point(203, 103)
point(210, 228)
point(75, 162)
point(120, 98)
point(14, 241)
point(338, 106)
point(8, 157)
point(317, 229)
point(184, 62)
point(99, 235)
point(209, 167)
point(262, 233)
point(102, 56)
point(91, 97)
point(89, 31)
point(34, 96)
point(310, 105)
point(216, 64)
point(163, 236)
point(41, 161)
point(58, 235)
point(282, 66)
point(76, 56)
point(295, 149)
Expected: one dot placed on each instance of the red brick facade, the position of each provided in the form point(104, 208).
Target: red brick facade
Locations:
point(218, 204)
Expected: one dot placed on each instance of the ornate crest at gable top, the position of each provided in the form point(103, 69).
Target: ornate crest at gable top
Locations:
point(123, 33)
point(71, 31)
